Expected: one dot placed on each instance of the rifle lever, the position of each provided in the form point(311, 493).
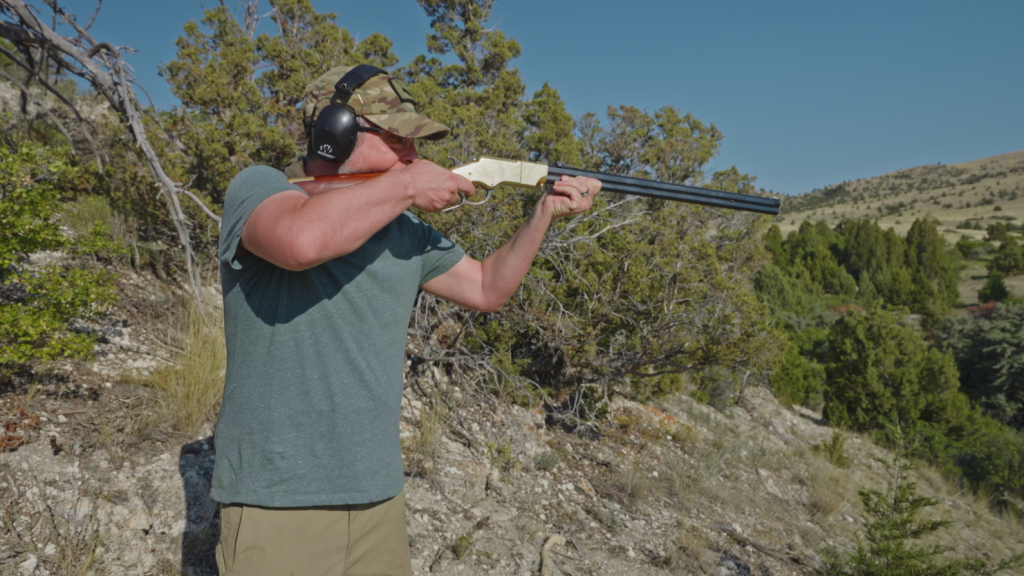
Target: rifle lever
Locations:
point(463, 201)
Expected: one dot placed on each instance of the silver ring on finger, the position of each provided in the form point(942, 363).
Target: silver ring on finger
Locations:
point(585, 193)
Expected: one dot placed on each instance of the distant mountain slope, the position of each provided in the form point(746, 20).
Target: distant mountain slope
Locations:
point(986, 190)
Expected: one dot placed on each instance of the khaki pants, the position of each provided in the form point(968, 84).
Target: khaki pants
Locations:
point(354, 540)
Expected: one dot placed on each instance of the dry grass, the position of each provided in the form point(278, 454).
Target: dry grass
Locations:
point(120, 434)
point(30, 523)
point(786, 495)
point(422, 450)
point(634, 483)
point(974, 276)
point(829, 493)
point(693, 543)
point(191, 388)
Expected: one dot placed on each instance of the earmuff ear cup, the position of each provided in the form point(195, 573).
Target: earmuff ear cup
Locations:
point(334, 134)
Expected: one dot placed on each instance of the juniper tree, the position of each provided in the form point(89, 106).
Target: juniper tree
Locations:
point(630, 296)
point(239, 92)
point(994, 289)
point(880, 370)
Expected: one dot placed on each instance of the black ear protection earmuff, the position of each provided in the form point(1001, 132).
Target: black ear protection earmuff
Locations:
point(333, 132)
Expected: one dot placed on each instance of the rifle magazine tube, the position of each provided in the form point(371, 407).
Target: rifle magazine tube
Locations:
point(675, 192)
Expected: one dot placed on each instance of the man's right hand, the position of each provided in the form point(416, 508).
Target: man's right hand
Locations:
point(435, 188)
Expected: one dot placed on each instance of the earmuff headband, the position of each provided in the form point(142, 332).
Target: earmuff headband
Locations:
point(334, 131)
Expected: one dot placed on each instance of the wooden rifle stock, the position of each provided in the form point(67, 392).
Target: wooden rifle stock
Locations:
point(316, 184)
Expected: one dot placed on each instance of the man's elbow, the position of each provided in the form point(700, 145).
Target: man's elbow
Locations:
point(490, 304)
point(301, 253)
point(306, 251)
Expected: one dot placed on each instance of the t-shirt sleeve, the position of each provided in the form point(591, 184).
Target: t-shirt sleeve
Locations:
point(250, 187)
point(437, 253)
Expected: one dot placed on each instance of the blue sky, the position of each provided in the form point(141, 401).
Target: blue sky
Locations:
point(807, 93)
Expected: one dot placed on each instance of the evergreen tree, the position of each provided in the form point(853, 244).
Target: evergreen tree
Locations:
point(774, 244)
point(868, 248)
point(994, 289)
point(479, 96)
point(879, 370)
point(933, 274)
point(996, 232)
point(635, 293)
point(239, 93)
point(970, 248)
point(882, 254)
point(797, 380)
point(989, 353)
point(1009, 259)
point(866, 291)
point(812, 251)
point(550, 138)
point(892, 530)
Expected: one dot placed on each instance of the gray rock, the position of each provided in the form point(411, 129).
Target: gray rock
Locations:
point(28, 566)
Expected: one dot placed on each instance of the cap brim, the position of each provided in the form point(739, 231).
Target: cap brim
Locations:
point(410, 125)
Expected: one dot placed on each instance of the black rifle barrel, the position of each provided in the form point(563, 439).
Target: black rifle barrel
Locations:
point(666, 191)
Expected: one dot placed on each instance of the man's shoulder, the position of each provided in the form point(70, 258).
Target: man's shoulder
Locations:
point(257, 172)
point(256, 178)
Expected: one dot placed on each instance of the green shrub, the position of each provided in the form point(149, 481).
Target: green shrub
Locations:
point(87, 211)
point(546, 460)
point(880, 370)
point(994, 289)
point(38, 304)
point(835, 450)
point(1009, 259)
point(972, 249)
point(797, 380)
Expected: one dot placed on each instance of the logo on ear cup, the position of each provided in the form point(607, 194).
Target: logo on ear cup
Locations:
point(326, 150)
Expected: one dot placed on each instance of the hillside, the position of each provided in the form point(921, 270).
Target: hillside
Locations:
point(986, 190)
point(97, 483)
point(635, 407)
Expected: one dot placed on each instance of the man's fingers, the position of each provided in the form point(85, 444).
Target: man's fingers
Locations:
point(578, 193)
point(569, 190)
point(583, 185)
point(464, 185)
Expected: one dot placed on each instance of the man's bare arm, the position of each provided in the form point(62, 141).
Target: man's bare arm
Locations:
point(296, 231)
point(487, 285)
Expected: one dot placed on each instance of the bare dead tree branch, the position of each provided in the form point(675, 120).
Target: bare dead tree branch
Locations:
point(199, 202)
point(41, 106)
point(95, 13)
point(55, 92)
point(102, 66)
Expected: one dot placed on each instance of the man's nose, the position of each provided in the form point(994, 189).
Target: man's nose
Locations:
point(408, 154)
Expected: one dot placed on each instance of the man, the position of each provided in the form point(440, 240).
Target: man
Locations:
point(318, 290)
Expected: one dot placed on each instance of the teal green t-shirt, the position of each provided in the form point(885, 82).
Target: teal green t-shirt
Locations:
point(313, 386)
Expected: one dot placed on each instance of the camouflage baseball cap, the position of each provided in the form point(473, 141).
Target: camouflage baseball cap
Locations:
point(383, 100)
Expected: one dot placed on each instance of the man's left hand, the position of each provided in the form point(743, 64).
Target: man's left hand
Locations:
point(570, 195)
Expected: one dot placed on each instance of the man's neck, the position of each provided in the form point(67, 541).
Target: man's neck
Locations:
point(316, 167)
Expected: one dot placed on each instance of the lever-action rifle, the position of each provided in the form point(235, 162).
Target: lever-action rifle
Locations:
point(489, 173)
